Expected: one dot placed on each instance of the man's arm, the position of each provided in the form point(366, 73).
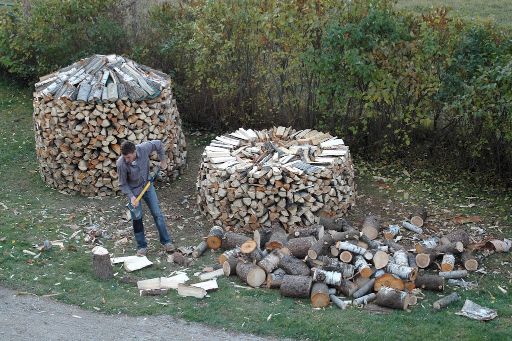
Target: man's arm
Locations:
point(123, 182)
point(154, 146)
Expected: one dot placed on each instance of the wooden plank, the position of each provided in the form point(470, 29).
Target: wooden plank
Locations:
point(333, 152)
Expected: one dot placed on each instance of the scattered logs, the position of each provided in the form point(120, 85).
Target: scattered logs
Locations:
point(84, 111)
point(248, 178)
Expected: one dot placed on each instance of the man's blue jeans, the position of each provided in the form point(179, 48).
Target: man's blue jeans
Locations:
point(154, 206)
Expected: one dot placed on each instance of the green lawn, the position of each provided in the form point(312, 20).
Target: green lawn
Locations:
point(499, 11)
point(30, 213)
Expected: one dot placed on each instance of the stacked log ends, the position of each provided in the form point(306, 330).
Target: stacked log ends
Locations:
point(82, 114)
point(247, 178)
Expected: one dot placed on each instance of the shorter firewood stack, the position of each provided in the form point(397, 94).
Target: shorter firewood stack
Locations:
point(249, 178)
point(332, 261)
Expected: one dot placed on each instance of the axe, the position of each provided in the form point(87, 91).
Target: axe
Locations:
point(151, 179)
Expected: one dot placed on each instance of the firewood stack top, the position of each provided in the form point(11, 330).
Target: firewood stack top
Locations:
point(102, 78)
point(249, 178)
point(83, 112)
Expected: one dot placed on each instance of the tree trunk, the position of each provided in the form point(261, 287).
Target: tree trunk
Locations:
point(101, 264)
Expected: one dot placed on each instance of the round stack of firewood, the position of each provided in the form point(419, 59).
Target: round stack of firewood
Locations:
point(83, 112)
point(249, 178)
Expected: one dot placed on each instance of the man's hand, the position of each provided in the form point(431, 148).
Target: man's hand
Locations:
point(135, 203)
point(163, 164)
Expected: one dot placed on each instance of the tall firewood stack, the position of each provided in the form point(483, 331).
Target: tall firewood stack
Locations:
point(249, 178)
point(83, 112)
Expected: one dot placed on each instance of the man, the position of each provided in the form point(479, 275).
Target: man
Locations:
point(133, 172)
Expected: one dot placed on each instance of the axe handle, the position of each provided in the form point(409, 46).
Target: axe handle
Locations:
point(143, 191)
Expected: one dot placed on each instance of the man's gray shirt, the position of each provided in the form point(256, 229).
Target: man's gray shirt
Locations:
point(133, 176)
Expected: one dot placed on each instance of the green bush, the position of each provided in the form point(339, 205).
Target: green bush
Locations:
point(55, 33)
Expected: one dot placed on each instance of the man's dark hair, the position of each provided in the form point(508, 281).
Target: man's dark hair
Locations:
point(127, 147)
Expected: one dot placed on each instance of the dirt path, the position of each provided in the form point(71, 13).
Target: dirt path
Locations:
point(30, 317)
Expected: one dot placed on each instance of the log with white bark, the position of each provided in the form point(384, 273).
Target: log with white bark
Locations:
point(411, 227)
point(365, 288)
point(365, 299)
point(78, 135)
point(454, 274)
point(247, 179)
point(346, 246)
point(362, 267)
point(402, 271)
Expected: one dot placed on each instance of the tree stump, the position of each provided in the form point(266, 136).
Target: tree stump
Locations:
point(101, 264)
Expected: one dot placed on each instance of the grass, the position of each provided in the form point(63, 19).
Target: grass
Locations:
point(497, 11)
point(31, 212)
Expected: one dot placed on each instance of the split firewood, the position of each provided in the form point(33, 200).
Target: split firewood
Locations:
point(247, 178)
point(445, 301)
point(275, 278)
point(321, 247)
point(390, 281)
point(454, 274)
point(419, 217)
point(371, 227)
point(430, 282)
point(232, 240)
point(469, 261)
point(190, 291)
point(83, 112)
point(102, 267)
point(200, 249)
point(214, 239)
point(211, 275)
point(391, 298)
point(207, 285)
point(299, 246)
point(251, 274)
point(293, 266)
point(320, 295)
point(296, 286)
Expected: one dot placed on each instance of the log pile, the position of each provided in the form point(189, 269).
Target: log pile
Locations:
point(83, 112)
point(312, 262)
point(249, 178)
